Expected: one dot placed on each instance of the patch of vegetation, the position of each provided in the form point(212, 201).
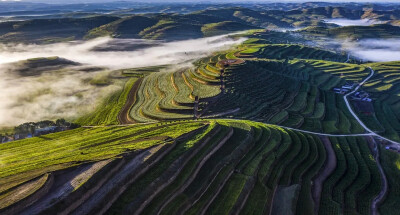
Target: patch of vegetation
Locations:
point(107, 112)
point(24, 160)
point(225, 27)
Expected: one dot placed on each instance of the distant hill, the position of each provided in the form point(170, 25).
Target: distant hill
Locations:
point(223, 28)
point(182, 23)
point(128, 27)
point(36, 66)
point(355, 32)
point(50, 30)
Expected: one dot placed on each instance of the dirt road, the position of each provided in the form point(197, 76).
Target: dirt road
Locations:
point(123, 116)
point(330, 166)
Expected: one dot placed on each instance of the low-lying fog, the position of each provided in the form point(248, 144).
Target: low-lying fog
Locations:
point(350, 22)
point(67, 93)
point(377, 50)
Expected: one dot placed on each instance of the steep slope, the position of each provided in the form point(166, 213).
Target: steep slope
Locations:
point(128, 27)
point(186, 167)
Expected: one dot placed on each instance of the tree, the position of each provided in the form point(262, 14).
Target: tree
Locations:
point(60, 122)
point(32, 129)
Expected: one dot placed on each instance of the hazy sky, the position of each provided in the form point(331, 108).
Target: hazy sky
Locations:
point(217, 1)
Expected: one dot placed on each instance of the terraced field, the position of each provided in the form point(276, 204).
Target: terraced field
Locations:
point(384, 87)
point(25, 163)
point(294, 93)
point(291, 93)
point(354, 183)
point(172, 95)
point(213, 167)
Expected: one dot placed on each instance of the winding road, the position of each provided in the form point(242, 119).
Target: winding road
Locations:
point(369, 131)
point(348, 103)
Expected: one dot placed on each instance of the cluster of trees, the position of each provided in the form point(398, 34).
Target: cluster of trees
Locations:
point(30, 127)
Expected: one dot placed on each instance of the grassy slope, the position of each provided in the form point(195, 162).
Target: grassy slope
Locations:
point(107, 112)
point(128, 27)
point(268, 154)
point(26, 159)
point(225, 27)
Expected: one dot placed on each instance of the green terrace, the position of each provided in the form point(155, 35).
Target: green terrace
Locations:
point(292, 93)
point(191, 167)
point(171, 95)
point(24, 163)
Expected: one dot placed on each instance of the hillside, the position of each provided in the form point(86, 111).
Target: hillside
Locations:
point(128, 27)
point(50, 30)
point(164, 119)
point(36, 66)
point(220, 166)
point(354, 32)
point(218, 28)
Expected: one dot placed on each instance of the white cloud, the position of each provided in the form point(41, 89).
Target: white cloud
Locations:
point(350, 22)
point(64, 93)
point(378, 50)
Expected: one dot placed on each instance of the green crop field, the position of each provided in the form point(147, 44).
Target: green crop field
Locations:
point(22, 162)
point(171, 95)
point(221, 166)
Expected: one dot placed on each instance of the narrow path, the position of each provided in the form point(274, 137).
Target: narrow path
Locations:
point(381, 196)
point(326, 171)
point(123, 115)
point(328, 135)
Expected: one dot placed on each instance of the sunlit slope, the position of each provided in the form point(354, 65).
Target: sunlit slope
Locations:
point(295, 93)
point(171, 95)
point(127, 27)
point(212, 29)
point(220, 167)
point(24, 163)
point(109, 111)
